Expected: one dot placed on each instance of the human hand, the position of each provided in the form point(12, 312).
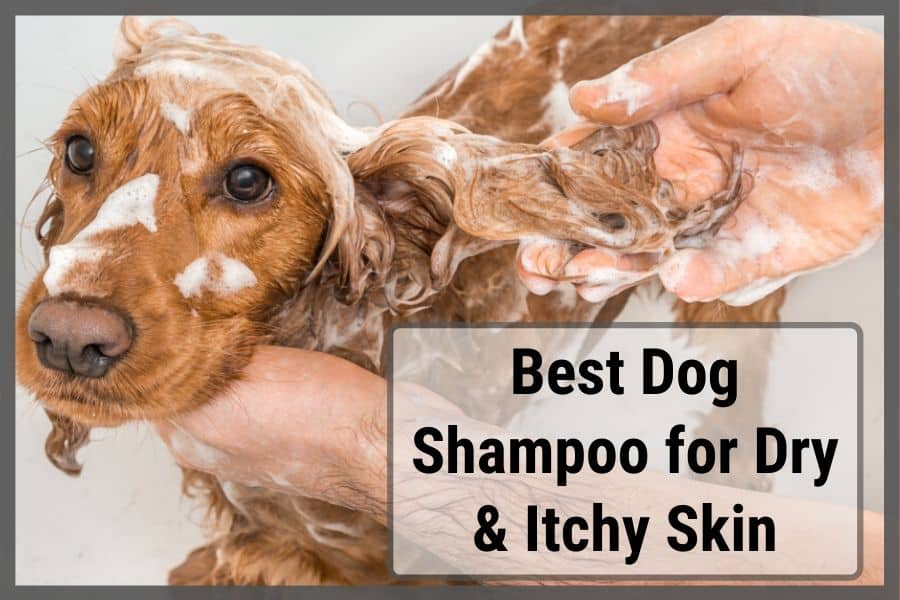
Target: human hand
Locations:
point(803, 98)
point(302, 422)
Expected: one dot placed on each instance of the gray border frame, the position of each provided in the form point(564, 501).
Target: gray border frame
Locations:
point(642, 577)
point(887, 8)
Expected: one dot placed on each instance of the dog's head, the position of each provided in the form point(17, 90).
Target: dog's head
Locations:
point(193, 190)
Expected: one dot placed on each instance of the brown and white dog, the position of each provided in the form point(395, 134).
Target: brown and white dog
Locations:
point(207, 192)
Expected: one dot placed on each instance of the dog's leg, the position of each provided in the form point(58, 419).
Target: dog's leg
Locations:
point(751, 349)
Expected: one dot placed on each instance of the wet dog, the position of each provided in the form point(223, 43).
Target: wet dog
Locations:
point(206, 198)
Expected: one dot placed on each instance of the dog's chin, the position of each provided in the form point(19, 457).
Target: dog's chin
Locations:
point(100, 404)
point(89, 413)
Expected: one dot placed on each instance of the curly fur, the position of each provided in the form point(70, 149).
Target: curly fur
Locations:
point(367, 228)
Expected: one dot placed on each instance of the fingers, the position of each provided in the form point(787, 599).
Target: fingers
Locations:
point(539, 263)
point(569, 137)
point(708, 61)
point(743, 264)
point(600, 274)
point(597, 273)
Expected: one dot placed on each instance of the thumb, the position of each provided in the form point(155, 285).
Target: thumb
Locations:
point(708, 61)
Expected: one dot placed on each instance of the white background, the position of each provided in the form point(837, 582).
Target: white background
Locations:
point(123, 520)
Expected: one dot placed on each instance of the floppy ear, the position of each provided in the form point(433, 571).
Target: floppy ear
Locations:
point(429, 187)
point(64, 441)
point(66, 437)
point(49, 224)
point(134, 32)
point(401, 236)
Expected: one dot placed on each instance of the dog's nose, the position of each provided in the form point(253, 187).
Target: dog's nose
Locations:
point(77, 337)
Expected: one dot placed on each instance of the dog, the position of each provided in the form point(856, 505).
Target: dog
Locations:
point(207, 192)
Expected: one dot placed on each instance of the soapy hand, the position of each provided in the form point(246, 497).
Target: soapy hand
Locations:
point(803, 97)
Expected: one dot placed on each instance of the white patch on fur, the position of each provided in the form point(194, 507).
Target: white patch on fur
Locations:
point(516, 36)
point(63, 258)
point(473, 63)
point(446, 155)
point(558, 113)
point(184, 69)
point(517, 32)
point(192, 279)
point(131, 204)
point(235, 276)
point(345, 138)
point(179, 117)
point(620, 87)
point(230, 277)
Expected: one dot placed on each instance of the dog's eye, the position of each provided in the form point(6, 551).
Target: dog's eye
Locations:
point(247, 183)
point(79, 155)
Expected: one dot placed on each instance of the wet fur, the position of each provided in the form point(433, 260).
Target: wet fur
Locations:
point(337, 268)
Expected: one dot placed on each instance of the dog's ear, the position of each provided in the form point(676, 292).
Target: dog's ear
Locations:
point(135, 32)
point(63, 442)
point(396, 233)
point(49, 224)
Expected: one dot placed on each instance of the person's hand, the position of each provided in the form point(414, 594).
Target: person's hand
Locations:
point(303, 422)
point(802, 96)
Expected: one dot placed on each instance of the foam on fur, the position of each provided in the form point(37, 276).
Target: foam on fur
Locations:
point(413, 221)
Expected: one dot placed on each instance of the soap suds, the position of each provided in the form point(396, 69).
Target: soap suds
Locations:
point(673, 270)
point(193, 278)
point(517, 32)
point(63, 258)
point(128, 205)
point(184, 69)
point(446, 155)
point(860, 164)
point(131, 204)
point(217, 273)
point(558, 113)
point(756, 239)
point(601, 283)
point(179, 117)
point(620, 87)
point(516, 36)
point(473, 63)
point(815, 170)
